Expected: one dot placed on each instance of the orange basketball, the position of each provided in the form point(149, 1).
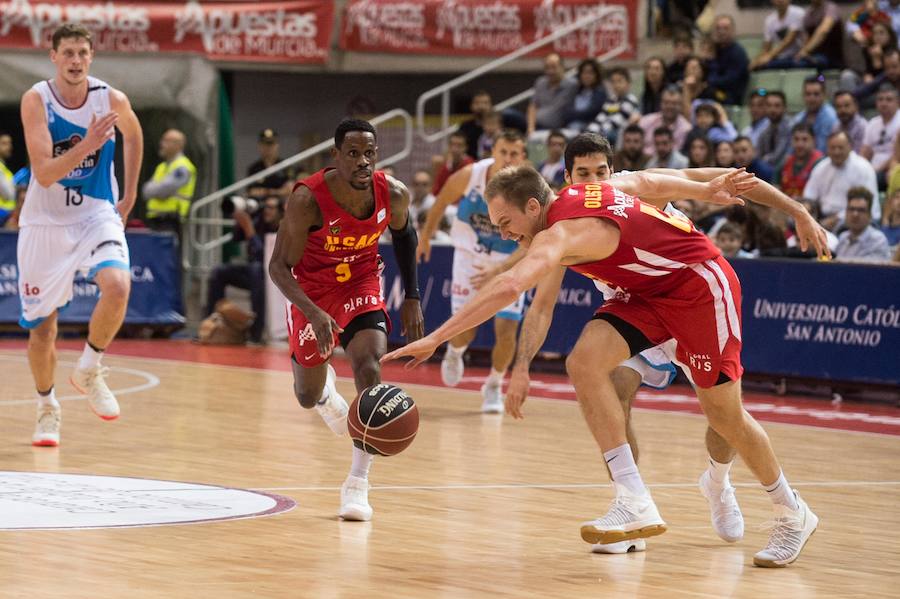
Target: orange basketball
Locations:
point(383, 420)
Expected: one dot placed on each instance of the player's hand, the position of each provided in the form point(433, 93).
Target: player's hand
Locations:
point(724, 189)
point(517, 392)
point(811, 232)
point(482, 275)
point(412, 322)
point(324, 326)
point(423, 250)
point(419, 351)
point(100, 130)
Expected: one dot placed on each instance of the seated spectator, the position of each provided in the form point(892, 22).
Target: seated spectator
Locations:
point(421, 199)
point(252, 275)
point(818, 113)
point(631, 157)
point(553, 93)
point(865, 94)
point(553, 169)
point(682, 49)
point(892, 9)
point(862, 20)
point(170, 190)
point(620, 109)
point(890, 222)
point(745, 157)
point(849, 120)
point(762, 236)
point(729, 239)
point(588, 99)
point(775, 140)
point(665, 155)
point(834, 175)
point(473, 127)
point(881, 133)
point(782, 37)
point(882, 40)
point(492, 123)
point(759, 121)
point(861, 242)
point(724, 154)
point(824, 44)
point(669, 117)
point(455, 159)
point(700, 153)
point(279, 183)
point(728, 70)
point(654, 85)
point(793, 174)
point(694, 89)
point(711, 123)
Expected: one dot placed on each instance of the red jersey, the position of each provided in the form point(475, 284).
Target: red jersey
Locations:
point(653, 244)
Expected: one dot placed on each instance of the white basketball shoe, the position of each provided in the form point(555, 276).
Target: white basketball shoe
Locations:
point(333, 409)
point(629, 517)
point(92, 382)
point(790, 532)
point(46, 431)
point(355, 499)
point(493, 398)
point(632, 546)
point(452, 368)
point(727, 519)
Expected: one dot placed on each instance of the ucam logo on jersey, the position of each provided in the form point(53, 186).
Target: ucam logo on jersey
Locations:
point(334, 243)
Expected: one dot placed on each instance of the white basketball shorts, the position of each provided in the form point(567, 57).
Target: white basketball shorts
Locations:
point(655, 365)
point(467, 263)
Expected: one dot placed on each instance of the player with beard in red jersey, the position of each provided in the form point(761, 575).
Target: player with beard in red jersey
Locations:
point(326, 264)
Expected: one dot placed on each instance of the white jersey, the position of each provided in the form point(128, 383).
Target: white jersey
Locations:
point(472, 228)
point(89, 190)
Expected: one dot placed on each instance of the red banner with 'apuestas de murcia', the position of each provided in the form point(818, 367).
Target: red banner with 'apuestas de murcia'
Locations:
point(487, 27)
point(283, 32)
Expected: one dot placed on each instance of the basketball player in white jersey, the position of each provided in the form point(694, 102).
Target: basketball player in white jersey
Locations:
point(73, 220)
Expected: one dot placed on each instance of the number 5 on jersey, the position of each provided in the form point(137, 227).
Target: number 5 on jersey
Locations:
point(342, 271)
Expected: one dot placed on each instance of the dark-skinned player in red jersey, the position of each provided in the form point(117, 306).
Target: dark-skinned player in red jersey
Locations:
point(326, 264)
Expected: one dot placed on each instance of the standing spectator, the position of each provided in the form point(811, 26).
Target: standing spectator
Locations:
point(861, 242)
point(666, 156)
point(669, 117)
point(745, 156)
point(700, 153)
point(823, 48)
point(759, 122)
point(620, 109)
point(865, 93)
point(712, 124)
point(250, 276)
point(455, 159)
point(724, 154)
point(849, 120)
point(492, 124)
point(682, 49)
point(833, 176)
point(171, 188)
point(729, 239)
point(654, 85)
point(728, 71)
point(782, 35)
point(890, 222)
point(421, 199)
point(553, 169)
point(588, 99)
point(881, 132)
point(7, 186)
point(279, 183)
point(775, 140)
point(553, 93)
point(794, 173)
point(818, 114)
point(631, 157)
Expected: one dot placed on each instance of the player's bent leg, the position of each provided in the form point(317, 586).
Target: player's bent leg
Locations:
point(452, 365)
point(505, 330)
point(627, 381)
point(716, 487)
point(314, 387)
point(42, 361)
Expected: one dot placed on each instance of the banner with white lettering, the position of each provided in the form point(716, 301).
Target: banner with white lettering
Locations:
point(486, 27)
point(155, 283)
point(298, 31)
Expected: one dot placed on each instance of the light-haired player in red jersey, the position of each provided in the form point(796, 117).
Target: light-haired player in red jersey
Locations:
point(673, 283)
point(327, 265)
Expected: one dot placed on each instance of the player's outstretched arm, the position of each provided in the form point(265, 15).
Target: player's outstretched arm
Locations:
point(452, 190)
point(133, 150)
point(659, 189)
point(301, 213)
point(532, 337)
point(404, 240)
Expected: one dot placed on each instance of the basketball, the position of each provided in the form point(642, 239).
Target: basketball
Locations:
point(383, 420)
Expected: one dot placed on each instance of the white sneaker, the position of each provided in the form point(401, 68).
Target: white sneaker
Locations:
point(334, 410)
point(46, 431)
point(452, 368)
point(727, 519)
point(790, 532)
point(632, 546)
point(355, 499)
point(493, 398)
point(91, 382)
point(629, 517)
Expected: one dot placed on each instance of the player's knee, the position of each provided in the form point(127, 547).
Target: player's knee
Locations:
point(367, 373)
point(308, 398)
point(43, 336)
point(116, 289)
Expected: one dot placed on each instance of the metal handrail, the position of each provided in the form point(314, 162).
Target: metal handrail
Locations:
point(194, 220)
point(444, 89)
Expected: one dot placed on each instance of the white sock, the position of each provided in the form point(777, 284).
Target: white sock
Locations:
point(495, 377)
point(780, 492)
point(362, 461)
point(718, 472)
point(48, 400)
point(455, 352)
point(89, 358)
point(624, 470)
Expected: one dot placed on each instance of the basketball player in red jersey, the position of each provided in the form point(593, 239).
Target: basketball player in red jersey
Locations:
point(327, 265)
point(671, 282)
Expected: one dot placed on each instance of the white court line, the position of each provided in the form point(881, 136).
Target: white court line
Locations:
point(151, 381)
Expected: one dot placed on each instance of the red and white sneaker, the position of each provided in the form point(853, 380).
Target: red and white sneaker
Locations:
point(92, 382)
point(46, 431)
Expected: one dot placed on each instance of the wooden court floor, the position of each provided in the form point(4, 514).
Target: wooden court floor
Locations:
point(479, 506)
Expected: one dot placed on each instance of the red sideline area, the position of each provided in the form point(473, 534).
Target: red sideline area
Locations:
point(856, 416)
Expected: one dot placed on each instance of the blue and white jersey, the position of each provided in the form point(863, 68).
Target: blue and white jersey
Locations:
point(472, 229)
point(90, 189)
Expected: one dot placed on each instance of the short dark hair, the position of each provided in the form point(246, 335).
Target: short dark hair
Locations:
point(460, 135)
point(887, 87)
point(518, 184)
point(703, 70)
point(511, 135)
point(730, 228)
point(633, 128)
point(803, 128)
point(779, 94)
point(557, 133)
point(481, 92)
point(663, 131)
point(741, 138)
point(860, 193)
point(72, 30)
point(348, 125)
point(592, 64)
point(586, 144)
point(619, 71)
point(708, 109)
point(815, 80)
point(843, 92)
